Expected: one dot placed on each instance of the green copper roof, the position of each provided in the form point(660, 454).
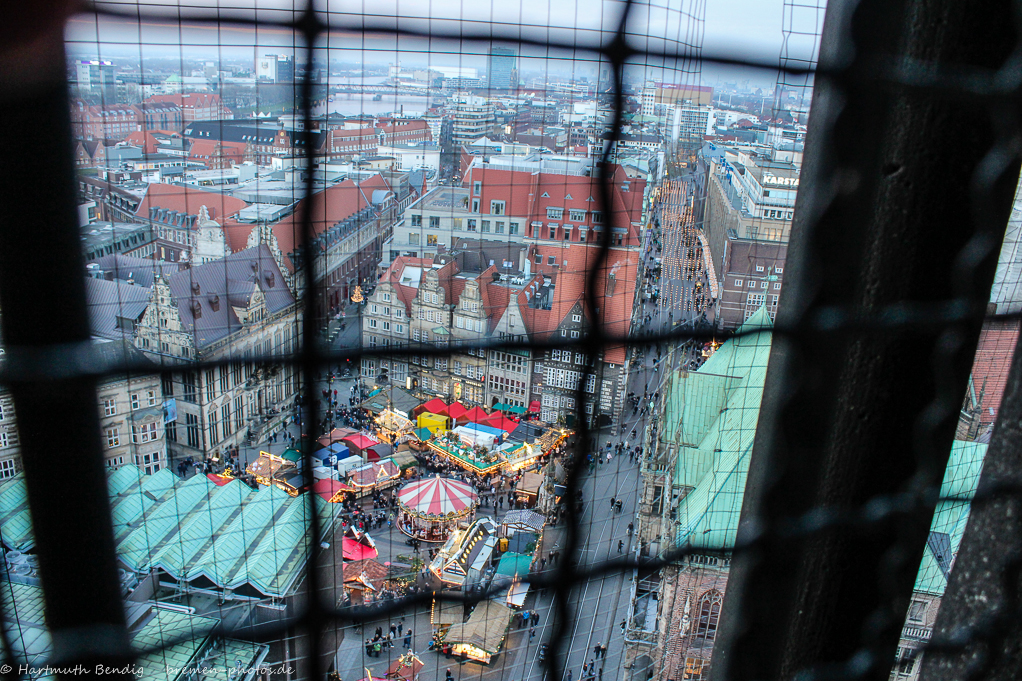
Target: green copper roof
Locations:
point(232, 535)
point(715, 470)
point(960, 481)
point(169, 642)
point(711, 425)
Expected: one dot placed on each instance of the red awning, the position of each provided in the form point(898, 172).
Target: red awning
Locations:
point(503, 423)
point(218, 480)
point(534, 406)
point(360, 441)
point(435, 406)
point(456, 410)
point(328, 488)
point(476, 415)
point(353, 549)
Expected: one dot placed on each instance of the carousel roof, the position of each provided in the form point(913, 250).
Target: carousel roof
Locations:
point(437, 496)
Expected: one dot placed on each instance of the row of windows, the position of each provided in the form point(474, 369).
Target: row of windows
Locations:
point(136, 399)
point(752, 284)
point(140, 434)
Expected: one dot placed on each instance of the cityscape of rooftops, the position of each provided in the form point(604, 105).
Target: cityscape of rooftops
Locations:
point(473, 222)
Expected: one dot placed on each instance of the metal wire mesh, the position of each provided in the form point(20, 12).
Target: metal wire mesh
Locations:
point(314, 27)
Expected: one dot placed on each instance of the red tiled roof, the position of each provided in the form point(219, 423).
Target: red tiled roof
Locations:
point(523, 193)
point(144, 139)
point(329, 207)
point(237, 234)
point(393, 276)
point(188, 200)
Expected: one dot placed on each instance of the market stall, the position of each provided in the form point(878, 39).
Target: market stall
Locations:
point(335, 435)
point(522, 456)
point(374, 475)
point(359, 442)
point(405, 668)
point(364, 580)
point(434, 406)
point(379, 451)
point(457, 413)
point(476, 434)
point(391, 425)
point(432, 507)
point(435, 423)
point(477, 459)
point(482, 636)
point(358, 545)
point(521, 520)
point(475, 415)
point(498, 420)
point(269, 466)
point(527, 490)
point(331, 490)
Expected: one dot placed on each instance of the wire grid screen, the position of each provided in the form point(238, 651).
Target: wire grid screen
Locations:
point(306, 618)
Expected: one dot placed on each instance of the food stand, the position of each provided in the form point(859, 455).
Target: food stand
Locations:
point(390, 425)
point(482, 636)
point(358, 545)
point(374, 475)
point(405, 668)
point(527, 490)
point(432, 507)
point(363, 580)
point(476, 459)
point(268, 467)
point(435, 423)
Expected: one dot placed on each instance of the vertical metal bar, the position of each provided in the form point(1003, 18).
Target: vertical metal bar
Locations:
point(978, 633)
point(46, 331)
point(860, 423)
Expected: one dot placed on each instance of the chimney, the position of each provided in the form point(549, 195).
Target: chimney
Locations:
point(269, 277)
point(196, 309)
point(195, 288)
point(611, 281)
point(214, 302)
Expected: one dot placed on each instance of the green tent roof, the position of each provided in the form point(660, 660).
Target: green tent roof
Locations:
point(423, 433)
point(291, 455)
point(514, 564)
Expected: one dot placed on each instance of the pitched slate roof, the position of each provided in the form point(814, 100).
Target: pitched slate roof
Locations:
point(110, 302)
point(206, 294)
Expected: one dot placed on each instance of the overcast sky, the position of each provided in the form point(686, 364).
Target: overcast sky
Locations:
point(744, 28)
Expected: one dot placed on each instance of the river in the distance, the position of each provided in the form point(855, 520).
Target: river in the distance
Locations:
point(358, 104)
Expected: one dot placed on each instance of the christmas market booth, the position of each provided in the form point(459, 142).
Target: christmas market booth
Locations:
point(522, 456)
point(478, 458)
point(375, 475)
point(482, 636)
point(392, 425)
point(358, 443)
point(358, 545)
point(335, 435)
point(331, 490)
point(434, 406)
point(432, 507)
point(268, 468)
point(435, 423)
point(405, 668)
point(462, 561)
point(364, 581)
point(521, 520)
point(527, 489)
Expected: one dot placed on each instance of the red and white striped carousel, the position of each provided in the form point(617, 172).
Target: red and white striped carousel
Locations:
point(432, 507)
